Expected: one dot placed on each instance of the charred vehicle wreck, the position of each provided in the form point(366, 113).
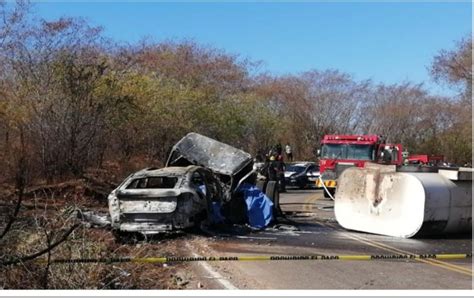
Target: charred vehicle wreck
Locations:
point(204, 181)
point(157, 200)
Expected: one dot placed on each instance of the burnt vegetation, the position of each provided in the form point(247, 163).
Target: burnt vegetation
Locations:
point(78, 112)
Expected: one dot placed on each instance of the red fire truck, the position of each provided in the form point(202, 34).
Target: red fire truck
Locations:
point(339, 152)
point(425, 159)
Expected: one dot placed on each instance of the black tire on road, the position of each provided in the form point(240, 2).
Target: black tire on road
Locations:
point(277, 202)
point(331, 191)
point(302, 186)
point(326, 195)
point(273, 194)
point(261, 184)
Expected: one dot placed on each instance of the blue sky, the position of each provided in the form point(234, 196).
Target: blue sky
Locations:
point(386, 42)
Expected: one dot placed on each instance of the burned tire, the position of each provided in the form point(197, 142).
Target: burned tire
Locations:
point(198, 221)
point(273, 194)
point(235, 210)
point(122, 237)
point(302, 185)
point(271, 189)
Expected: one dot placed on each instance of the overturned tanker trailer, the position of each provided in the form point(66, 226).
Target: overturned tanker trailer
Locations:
point(405, 201)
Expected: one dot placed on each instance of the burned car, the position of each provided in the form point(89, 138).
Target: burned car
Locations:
point(204, 179)
point(159, 200)
point(233, 167)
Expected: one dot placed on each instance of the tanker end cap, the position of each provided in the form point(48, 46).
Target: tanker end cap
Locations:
point(385, 203)
point(404, 204)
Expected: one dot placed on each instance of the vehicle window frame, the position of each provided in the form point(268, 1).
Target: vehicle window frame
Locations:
point(342, 154)
point(142, 183)
point(212, 185)
point(351, 148)
point(203, 179)
point(290, 168)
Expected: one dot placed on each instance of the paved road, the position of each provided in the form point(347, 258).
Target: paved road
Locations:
point(312, 229)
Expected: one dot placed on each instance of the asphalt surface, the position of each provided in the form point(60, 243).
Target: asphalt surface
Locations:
point(310, 228)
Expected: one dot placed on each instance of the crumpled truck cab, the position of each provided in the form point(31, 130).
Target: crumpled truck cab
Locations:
point(232, 166)
point(159, 200)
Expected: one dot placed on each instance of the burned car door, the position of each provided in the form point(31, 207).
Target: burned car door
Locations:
point(213, 186)
point(214, 195)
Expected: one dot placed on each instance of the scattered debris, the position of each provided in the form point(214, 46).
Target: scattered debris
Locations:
point(180, 279)
point(326, 208)
point(284, 227)
point(94, 218)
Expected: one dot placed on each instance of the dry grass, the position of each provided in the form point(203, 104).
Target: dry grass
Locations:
point(43, 218)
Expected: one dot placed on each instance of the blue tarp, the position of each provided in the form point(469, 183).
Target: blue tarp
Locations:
point(259, 206)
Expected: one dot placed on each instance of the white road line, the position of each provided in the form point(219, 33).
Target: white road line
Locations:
point(256, 238)
point(216, 275)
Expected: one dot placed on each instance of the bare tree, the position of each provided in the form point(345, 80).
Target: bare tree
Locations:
point(455, 66)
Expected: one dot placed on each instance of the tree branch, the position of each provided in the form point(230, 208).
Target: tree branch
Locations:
point(16, 260)
point(15, 213)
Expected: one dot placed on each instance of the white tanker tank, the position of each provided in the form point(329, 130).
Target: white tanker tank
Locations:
point(404, 202)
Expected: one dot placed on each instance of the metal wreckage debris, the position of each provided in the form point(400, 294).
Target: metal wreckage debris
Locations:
point(204, 181)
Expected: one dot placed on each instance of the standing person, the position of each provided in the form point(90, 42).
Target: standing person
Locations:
point(289, 153)
point(272, 170)
point(280, 169)
point(259, 156)
point(278, 148)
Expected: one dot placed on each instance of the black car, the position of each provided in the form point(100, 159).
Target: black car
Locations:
point(301, 174)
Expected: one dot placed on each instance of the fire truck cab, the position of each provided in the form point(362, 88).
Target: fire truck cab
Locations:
point(339, 152)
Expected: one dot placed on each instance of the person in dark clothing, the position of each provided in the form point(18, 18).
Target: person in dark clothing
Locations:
point(280, 168)
point(279, 148)
point(259, 156)
point(272, 169)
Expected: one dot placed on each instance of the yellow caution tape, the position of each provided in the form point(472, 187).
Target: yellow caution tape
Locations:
point(260, 258)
